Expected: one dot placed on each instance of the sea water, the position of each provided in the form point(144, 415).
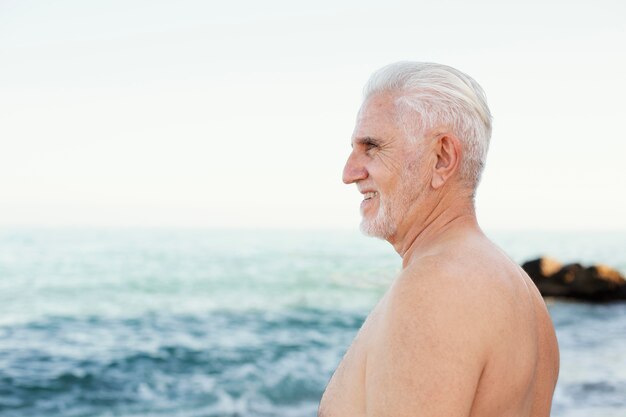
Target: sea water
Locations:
point(239, 323)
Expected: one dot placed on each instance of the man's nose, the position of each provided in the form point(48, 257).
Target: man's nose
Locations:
point(354, 170)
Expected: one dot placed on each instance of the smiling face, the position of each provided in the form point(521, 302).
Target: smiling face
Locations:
point(385, 167)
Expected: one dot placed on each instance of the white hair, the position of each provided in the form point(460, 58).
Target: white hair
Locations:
point(440, 95)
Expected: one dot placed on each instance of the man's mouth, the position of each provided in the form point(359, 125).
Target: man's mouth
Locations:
point(369, 195)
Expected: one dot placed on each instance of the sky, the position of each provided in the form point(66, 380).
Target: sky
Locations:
point(239, 114)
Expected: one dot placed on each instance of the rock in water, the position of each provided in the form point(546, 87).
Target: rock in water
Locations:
point(594, 283)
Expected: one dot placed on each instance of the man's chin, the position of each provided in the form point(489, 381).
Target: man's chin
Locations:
point(376, 228)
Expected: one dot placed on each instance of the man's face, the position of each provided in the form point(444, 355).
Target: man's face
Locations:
point(385, 167)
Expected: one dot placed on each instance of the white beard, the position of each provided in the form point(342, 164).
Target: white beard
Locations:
point(393, 209)
point(383, 226)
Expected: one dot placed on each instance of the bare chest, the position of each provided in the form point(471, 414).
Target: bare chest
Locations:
point(345, 393)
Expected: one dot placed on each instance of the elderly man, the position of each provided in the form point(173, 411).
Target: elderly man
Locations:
point(462, 331)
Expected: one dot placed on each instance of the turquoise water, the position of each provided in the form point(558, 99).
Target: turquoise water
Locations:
point(238, 323)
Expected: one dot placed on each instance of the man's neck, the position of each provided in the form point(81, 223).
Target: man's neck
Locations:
point(447, 218)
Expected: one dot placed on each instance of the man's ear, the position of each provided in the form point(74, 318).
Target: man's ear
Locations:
point(448, 152)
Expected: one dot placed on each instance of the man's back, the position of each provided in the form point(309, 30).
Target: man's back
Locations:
point(462, 331)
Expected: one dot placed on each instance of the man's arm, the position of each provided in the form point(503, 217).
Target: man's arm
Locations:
point(432, 347)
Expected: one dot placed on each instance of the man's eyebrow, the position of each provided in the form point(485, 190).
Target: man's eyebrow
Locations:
point(368, 140)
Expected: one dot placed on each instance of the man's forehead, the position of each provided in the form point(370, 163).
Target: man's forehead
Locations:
point(376, 118)
point(379, 105)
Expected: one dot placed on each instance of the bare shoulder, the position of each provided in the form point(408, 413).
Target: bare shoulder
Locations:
point(505, 319)
point(432, 345)
point(453, 323)
point(460, 297)
point(475, 280)
point(479, 281)
point(436, 288)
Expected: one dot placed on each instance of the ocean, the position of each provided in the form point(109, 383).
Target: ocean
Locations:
point(209, 323)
